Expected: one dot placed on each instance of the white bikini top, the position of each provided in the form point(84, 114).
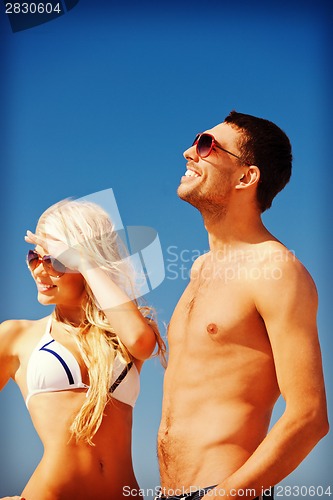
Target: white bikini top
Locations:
point(52, 367)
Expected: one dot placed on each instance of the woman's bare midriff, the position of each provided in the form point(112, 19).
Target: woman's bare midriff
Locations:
point(70, 470)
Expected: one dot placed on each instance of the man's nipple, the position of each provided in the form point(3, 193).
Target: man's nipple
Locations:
point(212, 328)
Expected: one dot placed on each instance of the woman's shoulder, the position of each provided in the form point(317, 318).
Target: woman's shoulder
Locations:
point(13, 329)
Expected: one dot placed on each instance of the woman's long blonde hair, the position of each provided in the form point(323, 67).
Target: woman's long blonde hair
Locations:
point(87, 227)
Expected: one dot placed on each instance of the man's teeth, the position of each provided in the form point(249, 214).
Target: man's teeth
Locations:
point(190, 173)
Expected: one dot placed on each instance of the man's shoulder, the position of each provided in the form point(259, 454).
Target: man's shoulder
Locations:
point(274, 250)
point(283, 276)
point(197, 263)
point(275, 255)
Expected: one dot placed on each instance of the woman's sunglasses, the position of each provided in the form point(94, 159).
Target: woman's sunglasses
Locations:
point(205, 143)
point(52, 266)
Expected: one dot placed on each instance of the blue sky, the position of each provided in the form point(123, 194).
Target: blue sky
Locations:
point(110, 96)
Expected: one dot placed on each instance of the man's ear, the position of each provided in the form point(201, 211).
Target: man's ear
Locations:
point(249, 178)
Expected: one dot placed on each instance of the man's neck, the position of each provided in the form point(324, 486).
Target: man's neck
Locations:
point(235, 229)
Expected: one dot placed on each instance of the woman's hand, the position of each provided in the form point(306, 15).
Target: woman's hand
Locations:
point(73, 258)
point(123, 314)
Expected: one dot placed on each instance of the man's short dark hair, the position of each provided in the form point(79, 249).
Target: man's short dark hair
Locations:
point(265, 145)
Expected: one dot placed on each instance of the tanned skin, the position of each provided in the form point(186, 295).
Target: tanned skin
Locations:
point(243, 332)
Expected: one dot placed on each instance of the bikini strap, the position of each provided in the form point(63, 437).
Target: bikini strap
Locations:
point(49, 325)
point(121, 377)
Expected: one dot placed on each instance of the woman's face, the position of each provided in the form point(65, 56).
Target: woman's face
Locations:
point(67, 290)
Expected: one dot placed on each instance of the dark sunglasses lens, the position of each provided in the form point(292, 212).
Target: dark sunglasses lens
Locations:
point(204, 145)
point(32, 260)
point(196, 139)
point(53, 266)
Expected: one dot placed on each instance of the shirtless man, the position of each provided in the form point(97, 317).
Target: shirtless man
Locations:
point(243, 332)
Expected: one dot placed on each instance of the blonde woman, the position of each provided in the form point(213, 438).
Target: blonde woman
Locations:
point(78, 369)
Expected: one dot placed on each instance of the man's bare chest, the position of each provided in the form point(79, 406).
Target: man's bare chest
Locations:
point(213, 309)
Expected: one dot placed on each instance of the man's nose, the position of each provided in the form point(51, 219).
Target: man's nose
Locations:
point(191, 153)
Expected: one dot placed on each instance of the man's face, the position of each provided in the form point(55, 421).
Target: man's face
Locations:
point(209, 182)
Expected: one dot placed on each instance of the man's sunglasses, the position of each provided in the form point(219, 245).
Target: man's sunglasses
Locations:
point(205, 143)
point(52, 266)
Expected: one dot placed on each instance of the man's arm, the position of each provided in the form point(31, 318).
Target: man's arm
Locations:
point(288, 306)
